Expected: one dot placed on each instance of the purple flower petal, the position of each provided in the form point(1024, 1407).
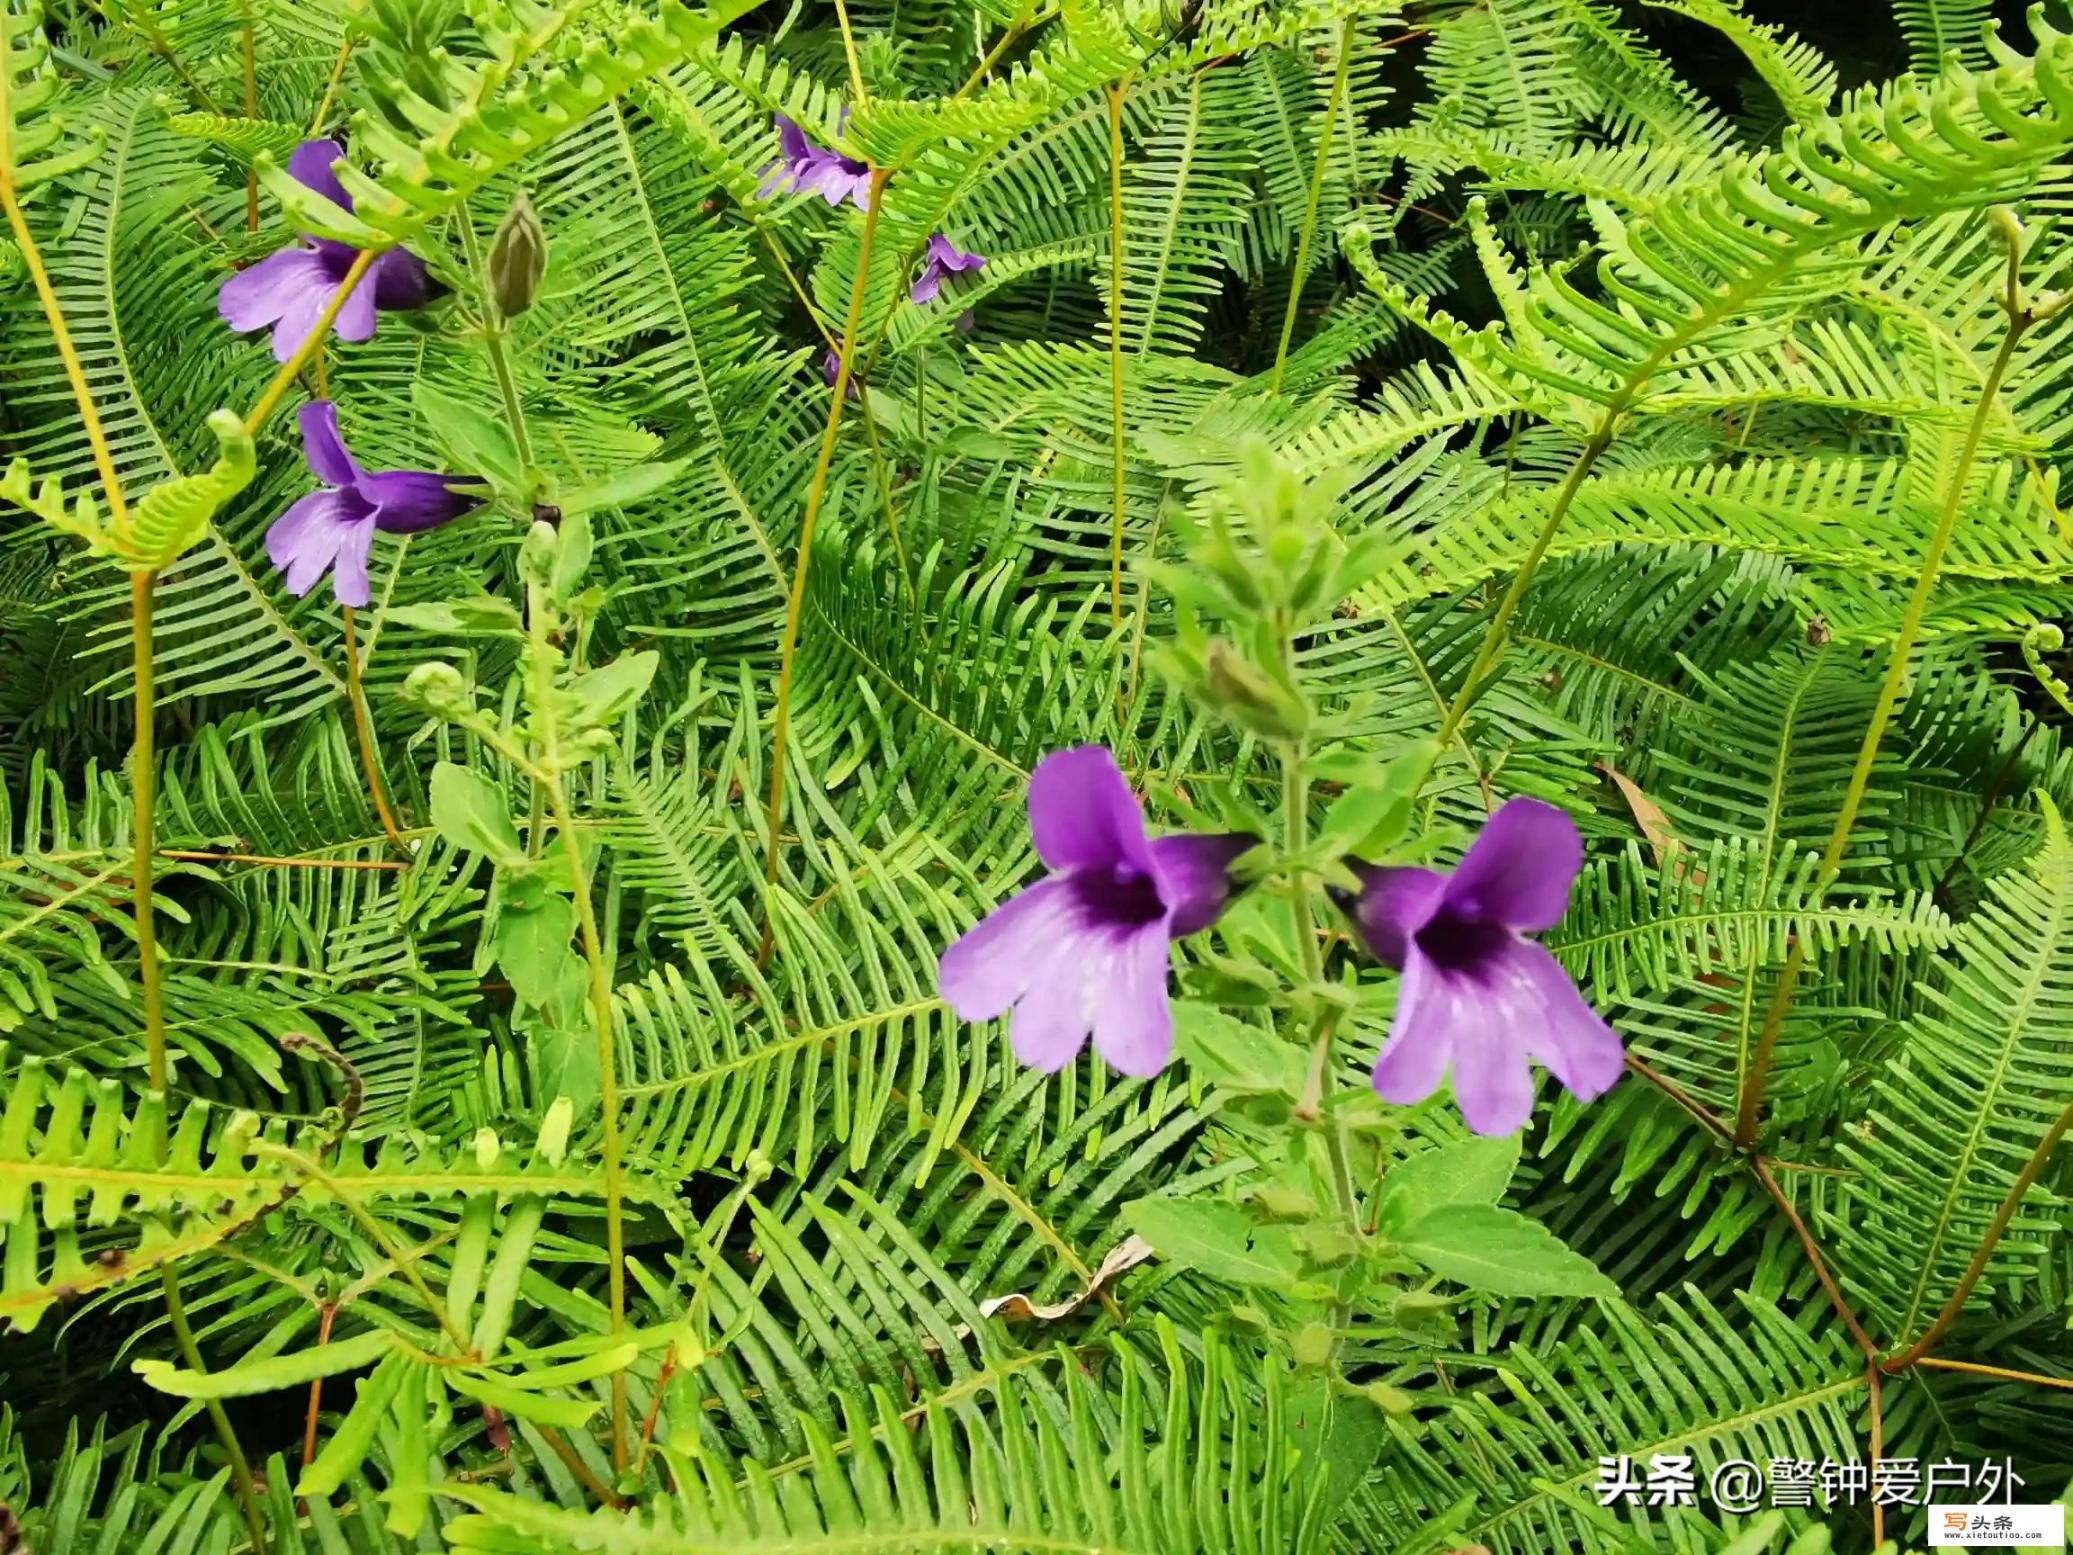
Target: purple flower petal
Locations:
point(410, 501)
point(306, 529)
point(1192, 874)
point(1395, 904)
point(401, 282)
point(1571, 1039)
point(1493, 1082)
point(258, 295)
point(311, 164)
point(792, 143)
point(1416, 1053)
point(355, 321)
point(307, 548)
point(927, 285)
point(1519, 870)
point(1082, 814)
point(300, 317)
point(349, 582)
point(1050, 1024)
point(996, 961)
point(1133, 1024)
point(323, 450)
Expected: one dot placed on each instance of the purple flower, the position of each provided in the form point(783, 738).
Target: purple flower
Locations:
point(1477, 996)
point(291, 289)
point(815, 169)
point(332, 530)
point(944, 258)
point(831, 369)
point(1085, 948)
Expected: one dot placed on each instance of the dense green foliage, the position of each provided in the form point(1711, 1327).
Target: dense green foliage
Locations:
point(1678, 427)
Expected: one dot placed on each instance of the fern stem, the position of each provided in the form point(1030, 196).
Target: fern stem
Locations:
point(1025, 19)
point(391, 1249)
point(251, 50)
point(1812, 1249)
point(1115, 342)
point(556, 792)
point(1996, 1229)
point(1508, 606)
point(2002, 1373)
point(53, 314)
point(144, 828)
point(240, 1465)
point(363, 734)
point(1348, 30)
point(849, 50)
point(1758, 1073)
point(256, 417)
point(885, 491)
point(816, 491)
point(316, 1402)
point(338, 64)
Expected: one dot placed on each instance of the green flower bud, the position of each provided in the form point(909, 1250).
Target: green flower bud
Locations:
point(536, 557)
point(517, 258)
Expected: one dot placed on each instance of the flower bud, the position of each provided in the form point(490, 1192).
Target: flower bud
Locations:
point(517, 258)
point(536, 556)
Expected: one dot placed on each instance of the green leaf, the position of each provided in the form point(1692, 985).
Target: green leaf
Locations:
point(1227, 1052)
point(1470, 1171)
point(471, 812)
point(271, 1374)
point(482, 616)
point(533, 946)
point(1218, 1239)
point(621, 488)
point(1500, 1252)
point(541, 1408)
point(478, 443)
point(604, 693)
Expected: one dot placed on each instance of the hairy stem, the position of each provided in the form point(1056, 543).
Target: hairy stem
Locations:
point(240, 1465)
point(493, 339)
point(363, 735)
point(547, 732)
point(1115, 343)
point(816, 490)
point(1759, 1070)
point(1348, 31)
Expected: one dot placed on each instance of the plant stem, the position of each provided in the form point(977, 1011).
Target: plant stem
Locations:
point(548, 734)
point(256, 418)
point(1507, 607)
point(1348, 31)
point(251, 112)
point(1759, 1069)
point(1996, 1228)
point(363, 734)
point(1115, 342)
point(2000, 1373)
point(1808, 1245)
point(849, 49)
point(240, 1466)
point(316, 1402)
point(143, 828)
point(493, 339)
point(345, 50)
point(816, 490)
